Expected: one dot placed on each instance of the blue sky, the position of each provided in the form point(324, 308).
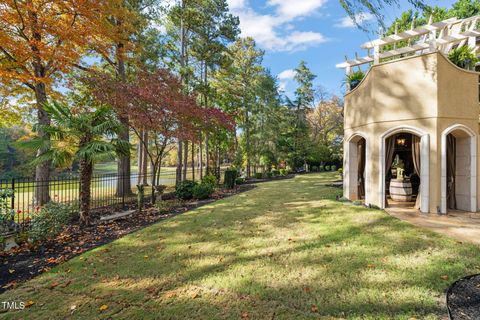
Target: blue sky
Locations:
point(317, 31)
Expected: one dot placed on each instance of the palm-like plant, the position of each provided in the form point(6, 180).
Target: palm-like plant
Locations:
point(464, 57)
point(353, 79)
point(84, 136)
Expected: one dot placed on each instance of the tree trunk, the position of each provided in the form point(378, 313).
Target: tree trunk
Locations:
point(145, 158)
point(42, 171)
point(185, 160)
point(124, 186)
point(207, 155)
point(86, 170)
point(200, 156)
point(193, 161)
point(178, 178)
point(247, 142)
point(140, 148)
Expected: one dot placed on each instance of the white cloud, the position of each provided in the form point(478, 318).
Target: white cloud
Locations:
point(276, 32)
point(295, 9)
point(286, 74)
point(284, 78)
point(360, 18)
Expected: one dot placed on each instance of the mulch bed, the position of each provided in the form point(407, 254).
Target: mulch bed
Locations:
point(27, 261)
point(463, 298)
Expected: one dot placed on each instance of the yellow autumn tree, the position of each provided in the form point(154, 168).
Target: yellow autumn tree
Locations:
point(41, 40)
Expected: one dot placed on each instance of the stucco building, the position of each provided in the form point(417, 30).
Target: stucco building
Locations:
point(414, 118)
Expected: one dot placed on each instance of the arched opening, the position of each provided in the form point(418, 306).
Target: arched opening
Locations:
point(404, 174)
point(459, 169)
point(355, 169)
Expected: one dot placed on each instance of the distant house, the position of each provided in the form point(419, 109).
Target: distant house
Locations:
point(412, 123)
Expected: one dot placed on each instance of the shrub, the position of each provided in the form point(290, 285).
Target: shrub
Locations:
point(276, 172)
point(210, 179)
point(269, 175)
point(202, 191)
point(327, 168)
point(239, 180)
point(333, 168)
point(258, 175)
point(165, 206)
point(283, 172)
point(7, 214)
point(321, 169)
point(340, 170)
point(314, 168)
point(50, 220)
point(184, 190)
point(229, 178)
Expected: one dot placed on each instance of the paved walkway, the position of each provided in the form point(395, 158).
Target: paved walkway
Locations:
point(463, 226)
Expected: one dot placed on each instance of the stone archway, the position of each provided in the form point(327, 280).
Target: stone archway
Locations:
point(459, 169)
point(356, 169)
point(424, 188)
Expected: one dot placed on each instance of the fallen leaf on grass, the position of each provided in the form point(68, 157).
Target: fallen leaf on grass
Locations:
point(307, 289)
point(29, 303)
point(444, 277)
point(53, 285)
point(314, 308)
point(270, 254)
point(11, 270)
point(244, 315)
point(103, 307)
point(195, 294)
point(370, 265)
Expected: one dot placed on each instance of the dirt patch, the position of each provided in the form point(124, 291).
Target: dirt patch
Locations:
point(463, 298)
point(27, 261)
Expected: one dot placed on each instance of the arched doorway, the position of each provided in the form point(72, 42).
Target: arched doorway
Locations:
point(356, 169)
point(459, 169)
point(404, 168)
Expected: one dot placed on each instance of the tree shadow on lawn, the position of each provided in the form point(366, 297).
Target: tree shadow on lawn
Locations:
point(225, 259)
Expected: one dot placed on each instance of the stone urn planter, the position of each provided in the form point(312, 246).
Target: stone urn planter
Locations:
point(159, 190)
point(401, 190)
point(8, 232)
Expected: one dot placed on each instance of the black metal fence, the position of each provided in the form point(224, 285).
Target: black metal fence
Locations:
point(104, 190)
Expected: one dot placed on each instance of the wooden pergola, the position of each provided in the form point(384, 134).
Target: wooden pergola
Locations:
point(440, 36)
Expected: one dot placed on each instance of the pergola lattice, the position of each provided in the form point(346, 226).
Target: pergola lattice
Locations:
point(440, 36)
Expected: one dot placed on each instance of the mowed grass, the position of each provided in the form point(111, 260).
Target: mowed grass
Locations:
point(284, 250)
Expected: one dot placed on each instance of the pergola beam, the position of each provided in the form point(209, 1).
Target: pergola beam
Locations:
point(435, 36)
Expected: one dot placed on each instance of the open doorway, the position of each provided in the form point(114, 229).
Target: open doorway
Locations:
point(459, 170)
point(402, 170)
point(355, 173)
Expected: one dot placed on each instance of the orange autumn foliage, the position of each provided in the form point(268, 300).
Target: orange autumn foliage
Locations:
point(41, 39)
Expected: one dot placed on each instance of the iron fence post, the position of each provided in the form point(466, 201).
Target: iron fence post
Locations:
point(12, 201)
point(123, 191)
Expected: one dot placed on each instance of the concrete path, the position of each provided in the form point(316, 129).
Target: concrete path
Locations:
point(463, 226)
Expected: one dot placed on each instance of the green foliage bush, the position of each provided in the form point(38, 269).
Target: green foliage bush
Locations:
point(50, 220)
point(210, 179)
point(230, 176)
point(184, 190)
point(327, 168)
point(202, 191)
point(258, 175)
point(321, 168)
point(276, 172)
point(165, 206)
point(269, 175)
point(340, 170)
point(333, 168)
point(463, 57)
point(283, 172)
point(239, 180)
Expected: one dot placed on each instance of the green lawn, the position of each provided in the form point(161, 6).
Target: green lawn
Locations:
point(284, 250)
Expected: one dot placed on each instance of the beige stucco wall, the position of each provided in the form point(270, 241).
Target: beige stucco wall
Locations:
point(424, 93)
